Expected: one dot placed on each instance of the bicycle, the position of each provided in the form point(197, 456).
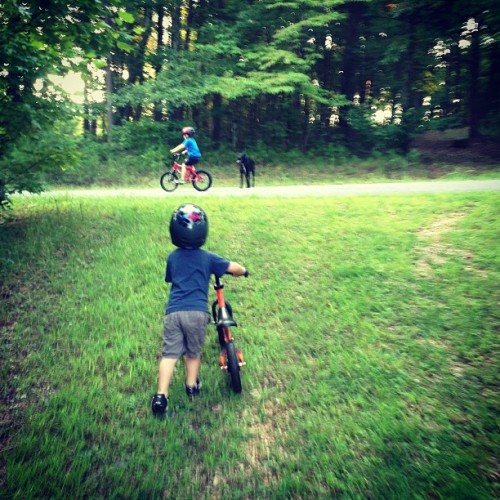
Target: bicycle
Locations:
point(231, 358)
point(200, 179)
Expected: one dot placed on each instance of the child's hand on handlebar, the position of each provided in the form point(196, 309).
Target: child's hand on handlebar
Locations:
point(236, 269)
point(246, 274)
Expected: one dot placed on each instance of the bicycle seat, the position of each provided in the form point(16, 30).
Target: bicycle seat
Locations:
point(224, 318)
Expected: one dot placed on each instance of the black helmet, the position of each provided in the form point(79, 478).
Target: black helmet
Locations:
point(188, 226)
point(188, 130)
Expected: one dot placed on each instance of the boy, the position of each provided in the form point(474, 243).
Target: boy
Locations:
point(190, 145)
point(188, 270)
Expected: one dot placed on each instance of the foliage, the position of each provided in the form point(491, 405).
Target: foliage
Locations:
point(362, 131)
point(38, 39)
point(287, 74)
point(446, 123)
point(365, 136)
point(104, 164)
point(491, 124)
point(53, 149)
point(144, 135)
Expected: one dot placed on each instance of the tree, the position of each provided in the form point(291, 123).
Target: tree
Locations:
point(37, 39)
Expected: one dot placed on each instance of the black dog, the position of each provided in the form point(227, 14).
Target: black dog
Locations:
point(247, 167)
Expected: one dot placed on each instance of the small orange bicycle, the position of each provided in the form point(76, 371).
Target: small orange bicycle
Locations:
point(200, 179)
point(231, 358)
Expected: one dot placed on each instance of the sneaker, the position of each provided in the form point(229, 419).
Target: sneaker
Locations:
point(159, 404)
point(180, 181)
point(193, 391)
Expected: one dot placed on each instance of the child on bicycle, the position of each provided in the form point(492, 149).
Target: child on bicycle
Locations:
point(189, 145)
point(188, 270)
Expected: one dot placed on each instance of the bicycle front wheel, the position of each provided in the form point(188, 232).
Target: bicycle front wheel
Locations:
point(203, 181)
point(168, 181)
point(233, 367)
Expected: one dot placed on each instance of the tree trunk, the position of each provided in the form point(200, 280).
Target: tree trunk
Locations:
point(175, 35)
point(216, 114)
point(306, 131)
point(189, 20)
point(350, 62)
point(86, 109)
point(109, 94)
point(492, 99)
point(474, 104)
point(160, 12)
point(410, 99)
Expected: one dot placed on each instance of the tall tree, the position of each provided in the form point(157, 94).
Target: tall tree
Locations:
point(35, 38)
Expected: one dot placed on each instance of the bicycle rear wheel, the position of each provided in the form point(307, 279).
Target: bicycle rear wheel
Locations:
point(204, 181)
point(168, 181)
point(233, 367)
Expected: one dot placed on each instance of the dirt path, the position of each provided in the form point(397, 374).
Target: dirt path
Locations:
point(401, 188)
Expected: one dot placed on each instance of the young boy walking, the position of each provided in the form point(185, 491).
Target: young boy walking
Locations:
point(188, 270)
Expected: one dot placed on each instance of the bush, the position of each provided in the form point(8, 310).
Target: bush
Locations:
point(447, 122)
point(142, 136)
point(490, 125)
point(360, 133)
point(44, 153)
point(365, 137)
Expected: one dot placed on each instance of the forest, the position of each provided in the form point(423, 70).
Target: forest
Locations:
point(340, 78)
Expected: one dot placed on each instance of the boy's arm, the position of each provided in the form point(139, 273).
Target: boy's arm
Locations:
point(178, 148)
point(236, 269)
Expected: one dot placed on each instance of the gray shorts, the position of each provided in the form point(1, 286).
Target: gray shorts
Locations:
point(184, 333)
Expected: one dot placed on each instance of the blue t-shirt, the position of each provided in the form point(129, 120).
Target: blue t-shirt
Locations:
point(189, 272)
point(192, 148)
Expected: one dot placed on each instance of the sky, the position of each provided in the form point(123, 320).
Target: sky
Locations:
point(72, 83)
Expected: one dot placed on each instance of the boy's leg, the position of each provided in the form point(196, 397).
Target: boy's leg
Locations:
point(195, 324)
point(192, 370)
point(159, 403)
point(165, 373)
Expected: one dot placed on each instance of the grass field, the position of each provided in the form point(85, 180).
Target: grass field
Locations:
point(369, 326)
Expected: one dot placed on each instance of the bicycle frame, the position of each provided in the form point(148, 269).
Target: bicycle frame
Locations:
point(191, 173)
point(230, 358)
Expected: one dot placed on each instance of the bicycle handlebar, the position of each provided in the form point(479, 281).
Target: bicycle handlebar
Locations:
point(246, 275)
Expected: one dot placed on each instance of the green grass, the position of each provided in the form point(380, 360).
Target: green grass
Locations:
point(369, 328)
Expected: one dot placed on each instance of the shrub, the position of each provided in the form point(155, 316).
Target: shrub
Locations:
point(142, 135)
point(45, 153)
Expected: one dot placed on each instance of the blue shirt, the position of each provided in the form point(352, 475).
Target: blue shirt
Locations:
point(192, 148)
point(189, 272)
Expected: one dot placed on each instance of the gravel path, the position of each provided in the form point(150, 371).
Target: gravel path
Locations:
point(400, 188)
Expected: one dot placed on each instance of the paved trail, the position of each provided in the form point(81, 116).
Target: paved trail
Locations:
point(401, 188)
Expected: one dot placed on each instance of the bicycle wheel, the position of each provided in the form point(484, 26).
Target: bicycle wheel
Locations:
point(204, 182)
point(233, 367)
point(167, 181)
